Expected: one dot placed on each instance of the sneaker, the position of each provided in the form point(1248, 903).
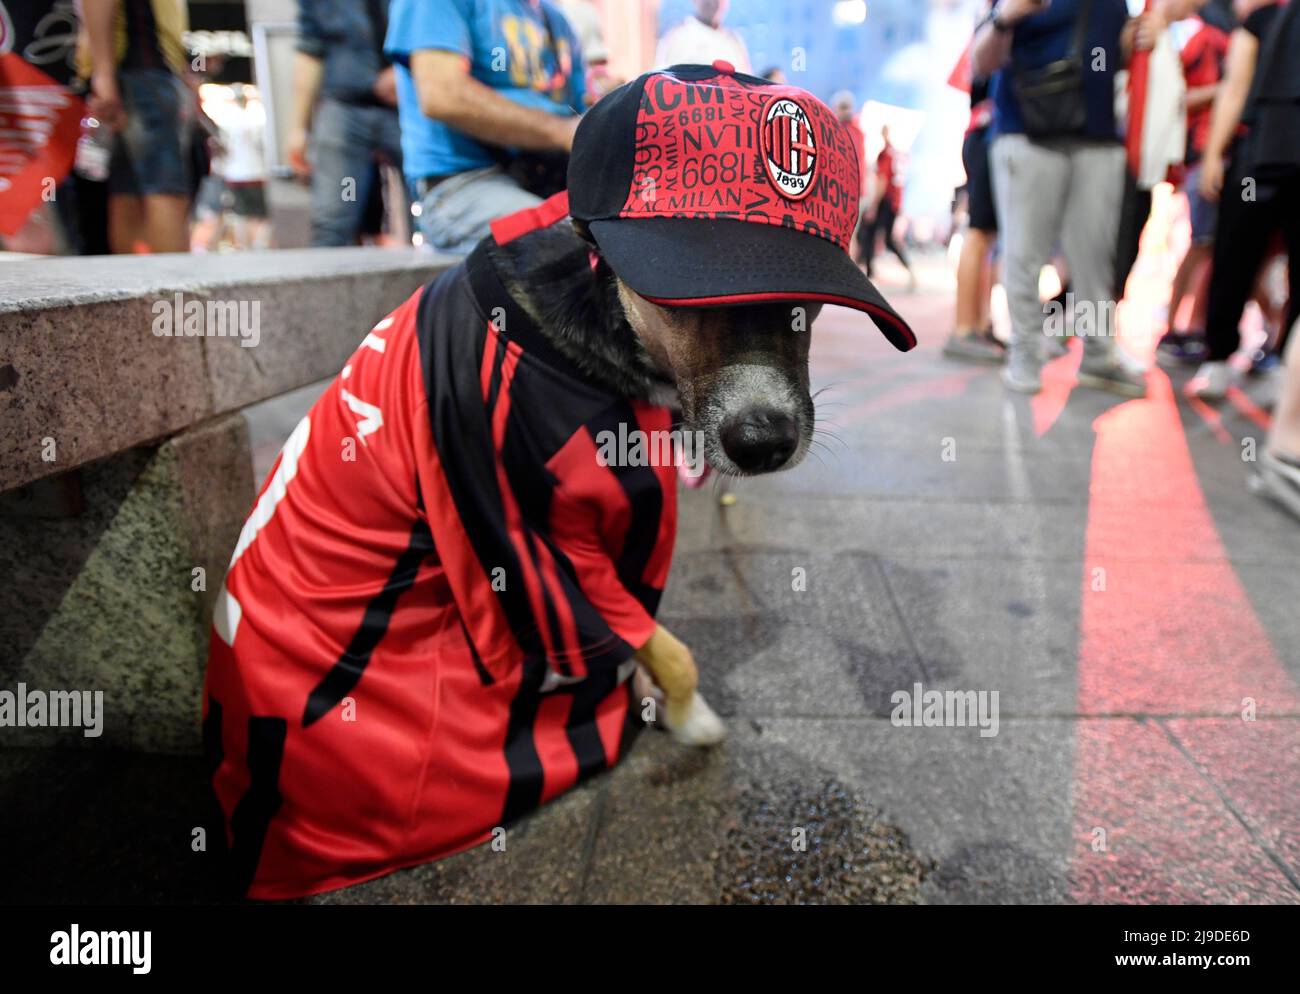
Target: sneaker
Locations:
point(1270, 388)
point(1117, 372)
point(1263, 363)
point(1278, 479)
point(973, 347)
point(1183, 346)
point(1171, 338)
point(1211, 381)
point(1022, 373)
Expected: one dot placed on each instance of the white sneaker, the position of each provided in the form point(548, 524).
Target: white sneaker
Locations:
point(974, 347)
point(1279, 480)
point(1270, 388)
point(1212, 381)
point(1116, 371)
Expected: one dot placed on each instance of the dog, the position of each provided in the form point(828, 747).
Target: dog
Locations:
point(738, 374)
point(441, 612)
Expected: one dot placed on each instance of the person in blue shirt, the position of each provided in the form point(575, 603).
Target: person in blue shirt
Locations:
point(479, 84)
point(1065, 188)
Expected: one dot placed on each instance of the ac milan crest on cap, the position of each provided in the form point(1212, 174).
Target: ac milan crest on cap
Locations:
point(704, 187)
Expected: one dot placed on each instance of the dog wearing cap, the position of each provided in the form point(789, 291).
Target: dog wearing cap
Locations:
point(719, 210)
point(414, 647)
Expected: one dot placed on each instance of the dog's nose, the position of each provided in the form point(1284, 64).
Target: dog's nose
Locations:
point(760, 441)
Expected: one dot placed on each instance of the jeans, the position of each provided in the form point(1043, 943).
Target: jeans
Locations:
point(455, 214)
point(346, 140)
point(151, 154)
point(1067, 191)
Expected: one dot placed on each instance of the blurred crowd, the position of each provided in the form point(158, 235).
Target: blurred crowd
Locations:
point(1080, 109)
point(423, 120)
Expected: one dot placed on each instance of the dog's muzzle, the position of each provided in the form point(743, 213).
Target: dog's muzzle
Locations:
point(760, 440)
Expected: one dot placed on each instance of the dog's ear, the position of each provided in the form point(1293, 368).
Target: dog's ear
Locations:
point(582, 231)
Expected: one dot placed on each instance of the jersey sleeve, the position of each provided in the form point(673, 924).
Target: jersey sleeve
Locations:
point(615, 521)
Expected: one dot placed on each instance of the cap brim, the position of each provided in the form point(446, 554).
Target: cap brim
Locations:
point(713, 263)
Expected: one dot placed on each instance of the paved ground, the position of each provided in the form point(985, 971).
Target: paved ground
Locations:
point(1098, 563)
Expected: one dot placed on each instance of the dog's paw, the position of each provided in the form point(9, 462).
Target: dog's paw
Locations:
point(699, 727)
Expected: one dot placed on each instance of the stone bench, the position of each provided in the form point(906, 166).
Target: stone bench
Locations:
point(125, 472)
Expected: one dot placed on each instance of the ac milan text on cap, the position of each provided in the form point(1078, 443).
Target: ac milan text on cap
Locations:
point(705, 187)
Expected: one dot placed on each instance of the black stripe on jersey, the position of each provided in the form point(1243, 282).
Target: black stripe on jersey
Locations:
point(484, 676)
point(581, 729)
point(346, 673)
point(632, 721)
point(646, 498)
point(252, 816)
point(452, 334)
point(494, 381)
point(214, 753)
point(525, 765)
point(548, 600)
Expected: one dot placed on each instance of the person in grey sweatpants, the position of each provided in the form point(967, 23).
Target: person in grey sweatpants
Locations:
point(1062, 190)
point(1077, 190)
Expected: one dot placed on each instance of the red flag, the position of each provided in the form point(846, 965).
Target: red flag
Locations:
point(1137, 103)
point(40, 121)
point(960, 77)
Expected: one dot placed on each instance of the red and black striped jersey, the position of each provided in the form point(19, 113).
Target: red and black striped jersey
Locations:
point(428, 623)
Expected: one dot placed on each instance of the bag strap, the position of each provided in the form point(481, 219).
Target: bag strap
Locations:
point(1080, 30)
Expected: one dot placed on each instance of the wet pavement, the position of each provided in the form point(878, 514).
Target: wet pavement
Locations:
point(1098, 563)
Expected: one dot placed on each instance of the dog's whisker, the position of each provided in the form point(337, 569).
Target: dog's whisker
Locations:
point(821, 434)
point(827, 433)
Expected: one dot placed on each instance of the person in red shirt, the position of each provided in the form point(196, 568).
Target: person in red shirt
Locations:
point(1203, 49)
point(843, 105)
point(883, 214)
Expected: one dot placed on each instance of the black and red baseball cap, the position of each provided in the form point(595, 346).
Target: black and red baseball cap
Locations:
point(703, 187)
